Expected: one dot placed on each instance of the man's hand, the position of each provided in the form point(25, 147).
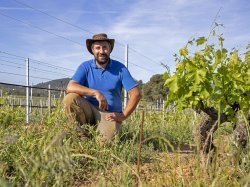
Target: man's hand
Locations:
point(103, 104)
point(115, 116)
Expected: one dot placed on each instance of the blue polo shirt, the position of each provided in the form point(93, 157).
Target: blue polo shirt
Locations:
point(108, 81)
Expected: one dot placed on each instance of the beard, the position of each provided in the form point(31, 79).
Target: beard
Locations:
point(102, 59)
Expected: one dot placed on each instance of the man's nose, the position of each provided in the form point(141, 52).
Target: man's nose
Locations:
point(102, 50)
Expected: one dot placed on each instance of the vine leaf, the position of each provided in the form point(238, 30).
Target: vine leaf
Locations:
point(212, 75)
point(201, 40)
point(183, 51)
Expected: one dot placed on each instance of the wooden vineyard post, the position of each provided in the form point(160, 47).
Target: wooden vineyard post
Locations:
point(49, 99)
point(41, 107)
point(27, 90)
point(163, 110)
point(31, 99)
point(140, 143)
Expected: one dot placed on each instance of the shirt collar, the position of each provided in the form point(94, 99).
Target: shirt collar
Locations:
point(93, 64)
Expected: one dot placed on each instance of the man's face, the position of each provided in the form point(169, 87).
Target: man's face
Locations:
point(101, 51)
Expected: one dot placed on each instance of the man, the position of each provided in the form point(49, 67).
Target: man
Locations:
point(95, 90)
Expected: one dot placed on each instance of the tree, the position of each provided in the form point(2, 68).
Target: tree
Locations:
point(154, 89)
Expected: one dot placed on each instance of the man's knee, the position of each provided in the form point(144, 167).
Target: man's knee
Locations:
point(76, 106)
point(108, 132)
point(108, 129)
point(71, 99)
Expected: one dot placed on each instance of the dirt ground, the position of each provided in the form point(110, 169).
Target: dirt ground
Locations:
point(162, 169)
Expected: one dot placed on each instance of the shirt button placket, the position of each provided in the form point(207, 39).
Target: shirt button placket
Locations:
point(102, 73)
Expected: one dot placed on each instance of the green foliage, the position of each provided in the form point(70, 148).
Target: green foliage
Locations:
point(210, 76)
point(247, 57)
point(50, 153)
point(9, 116)
point(201, 41)
point(154, 89)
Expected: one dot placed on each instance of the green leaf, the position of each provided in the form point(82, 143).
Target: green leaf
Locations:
point(218, 56)
point(183, 51)
point(190, 42)
point(190, 67)
point(180, 66)
point(201, 40)
point(221, 39)
point(218, 24)
point(204, 94)
point(166, 76)
point(199, 75)
point(172, 84)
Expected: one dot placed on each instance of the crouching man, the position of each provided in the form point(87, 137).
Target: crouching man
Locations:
point(94, 94)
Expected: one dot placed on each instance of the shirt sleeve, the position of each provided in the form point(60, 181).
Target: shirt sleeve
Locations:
point(80, 75)
point(127, 80)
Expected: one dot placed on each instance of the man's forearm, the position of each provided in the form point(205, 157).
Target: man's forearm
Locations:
point(74, 87)
point(134, 99)
point(130, 107)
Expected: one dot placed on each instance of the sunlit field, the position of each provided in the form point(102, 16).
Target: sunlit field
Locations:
point(51, 152)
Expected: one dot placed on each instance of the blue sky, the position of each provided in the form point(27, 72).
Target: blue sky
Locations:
point(154, 31)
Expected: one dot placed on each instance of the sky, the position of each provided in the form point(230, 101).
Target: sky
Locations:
point(53, 33)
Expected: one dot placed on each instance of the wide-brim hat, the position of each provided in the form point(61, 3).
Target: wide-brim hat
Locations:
point(99, 37)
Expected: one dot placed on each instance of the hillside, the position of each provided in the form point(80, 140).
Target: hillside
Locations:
point(54, 84)
point(152, 90)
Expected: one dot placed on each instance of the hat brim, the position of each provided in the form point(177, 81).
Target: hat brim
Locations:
point(89, 43)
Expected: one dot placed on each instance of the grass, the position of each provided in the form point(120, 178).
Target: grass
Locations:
point(49, 152)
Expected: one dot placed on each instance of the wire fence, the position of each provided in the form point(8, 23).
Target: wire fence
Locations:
point(35, 104)
point(135, 56)
point(14, 97)
point(40, 98)
point(13, 67)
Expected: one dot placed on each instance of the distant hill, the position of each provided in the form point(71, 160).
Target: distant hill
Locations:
point(153, 90)
point(54, 84)
point(60, 84)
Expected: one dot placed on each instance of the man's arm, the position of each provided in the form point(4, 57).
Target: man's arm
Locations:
point(134, 98)
point(75, 87)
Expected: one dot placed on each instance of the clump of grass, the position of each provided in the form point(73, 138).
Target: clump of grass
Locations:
point(49, 152)
point(11, 116)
